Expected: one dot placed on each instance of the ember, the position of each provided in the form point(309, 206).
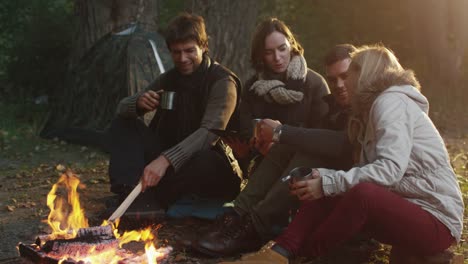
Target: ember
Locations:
point(73, 241)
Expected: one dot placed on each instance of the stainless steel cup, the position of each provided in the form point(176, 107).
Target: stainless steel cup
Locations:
point(167, 100)
point(255, 127)
point(297, 174)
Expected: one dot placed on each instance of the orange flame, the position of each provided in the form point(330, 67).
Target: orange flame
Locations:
point(66, 217)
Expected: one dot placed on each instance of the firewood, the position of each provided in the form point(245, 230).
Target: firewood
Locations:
point(33, 253)
point(63, 247)
point(103, 232)
point(97, 232)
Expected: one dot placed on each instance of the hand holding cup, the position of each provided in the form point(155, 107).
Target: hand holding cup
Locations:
point(148, 101)
point(305, 183)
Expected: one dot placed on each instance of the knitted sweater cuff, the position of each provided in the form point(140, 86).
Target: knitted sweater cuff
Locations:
point(127, 107)
point(176, 156)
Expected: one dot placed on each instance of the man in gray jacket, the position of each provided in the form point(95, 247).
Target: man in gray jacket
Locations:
point(177, 154)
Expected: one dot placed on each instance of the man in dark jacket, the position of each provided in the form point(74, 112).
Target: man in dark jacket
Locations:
point(265, 203)
point(177, 154)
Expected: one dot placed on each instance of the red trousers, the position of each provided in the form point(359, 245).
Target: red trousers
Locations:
point(323, 224)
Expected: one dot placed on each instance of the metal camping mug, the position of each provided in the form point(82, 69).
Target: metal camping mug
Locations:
point(167, 100)
point(298, 174)
point(255, 127)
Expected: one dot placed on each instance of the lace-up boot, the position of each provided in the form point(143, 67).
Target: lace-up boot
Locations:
point(237, 237)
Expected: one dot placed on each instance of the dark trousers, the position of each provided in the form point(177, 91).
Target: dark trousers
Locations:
point(207, 174)
point(323, 224)
point(266, 197)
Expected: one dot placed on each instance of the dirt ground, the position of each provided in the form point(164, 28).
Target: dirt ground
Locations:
point(28, 171)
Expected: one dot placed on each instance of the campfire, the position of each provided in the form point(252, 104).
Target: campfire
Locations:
point(73, 241)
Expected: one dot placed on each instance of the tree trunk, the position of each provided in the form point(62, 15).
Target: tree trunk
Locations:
point(439, 36)
point(230, 25)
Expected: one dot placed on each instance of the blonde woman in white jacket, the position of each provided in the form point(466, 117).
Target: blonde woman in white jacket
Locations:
point(403, 190)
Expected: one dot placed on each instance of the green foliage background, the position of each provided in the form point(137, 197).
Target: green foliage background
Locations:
point(35, 41)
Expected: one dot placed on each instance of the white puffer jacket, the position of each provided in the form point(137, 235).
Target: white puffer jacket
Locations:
point(403, 151)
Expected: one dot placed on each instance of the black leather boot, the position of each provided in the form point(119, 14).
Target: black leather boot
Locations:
point(237, 237)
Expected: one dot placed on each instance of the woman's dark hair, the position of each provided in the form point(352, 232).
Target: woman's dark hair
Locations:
point(186, 27)
point(338, 53)
point(264, 29)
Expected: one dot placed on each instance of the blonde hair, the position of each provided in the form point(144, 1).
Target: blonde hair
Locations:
point(371, 63)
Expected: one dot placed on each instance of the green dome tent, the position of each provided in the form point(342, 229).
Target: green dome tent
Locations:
point(118, 65)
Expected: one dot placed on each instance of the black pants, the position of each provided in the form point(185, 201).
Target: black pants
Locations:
point(208, 173)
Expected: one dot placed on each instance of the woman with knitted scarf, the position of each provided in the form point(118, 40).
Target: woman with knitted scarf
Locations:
point(282, 89)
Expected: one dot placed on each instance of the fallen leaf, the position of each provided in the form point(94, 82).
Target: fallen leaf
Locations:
point(60, 167)
point(10, 208)
point(93, 181)
point(180, 257)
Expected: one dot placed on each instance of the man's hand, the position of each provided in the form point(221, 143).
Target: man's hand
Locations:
point(265, 130)
point(154, 172)
point(148, 101)
point(308, 189)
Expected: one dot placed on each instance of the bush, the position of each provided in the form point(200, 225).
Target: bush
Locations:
point(34, 46)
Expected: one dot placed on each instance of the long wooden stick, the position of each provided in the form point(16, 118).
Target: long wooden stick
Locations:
point(126, 203)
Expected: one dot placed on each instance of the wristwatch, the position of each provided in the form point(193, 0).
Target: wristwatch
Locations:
point(277, 134)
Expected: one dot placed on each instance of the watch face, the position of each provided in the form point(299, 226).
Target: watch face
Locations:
point(276, 134)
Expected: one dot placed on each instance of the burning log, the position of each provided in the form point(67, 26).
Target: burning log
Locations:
point(33, 253)
point(97, 239)
point(91, 233)
point(62, 247)
point(103, 232)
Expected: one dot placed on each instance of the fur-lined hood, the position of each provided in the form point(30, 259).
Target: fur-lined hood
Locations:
point(404, 79)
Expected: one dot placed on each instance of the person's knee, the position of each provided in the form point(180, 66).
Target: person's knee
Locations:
point(118, 122)
point(121, 124)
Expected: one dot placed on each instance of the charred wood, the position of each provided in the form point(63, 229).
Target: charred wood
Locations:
point(34, 254)
point(88, 233)
point(78, 246)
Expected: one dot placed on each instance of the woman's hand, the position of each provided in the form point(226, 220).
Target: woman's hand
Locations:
point(154, 172)
point(309, 188)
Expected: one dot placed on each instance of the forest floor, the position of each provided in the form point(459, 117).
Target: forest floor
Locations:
point(29, 166)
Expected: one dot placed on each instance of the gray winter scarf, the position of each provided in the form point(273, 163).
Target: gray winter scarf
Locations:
point(277, 91)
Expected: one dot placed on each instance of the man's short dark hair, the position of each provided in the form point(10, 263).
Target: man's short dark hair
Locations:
point(339, 52)
point(186, 27)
